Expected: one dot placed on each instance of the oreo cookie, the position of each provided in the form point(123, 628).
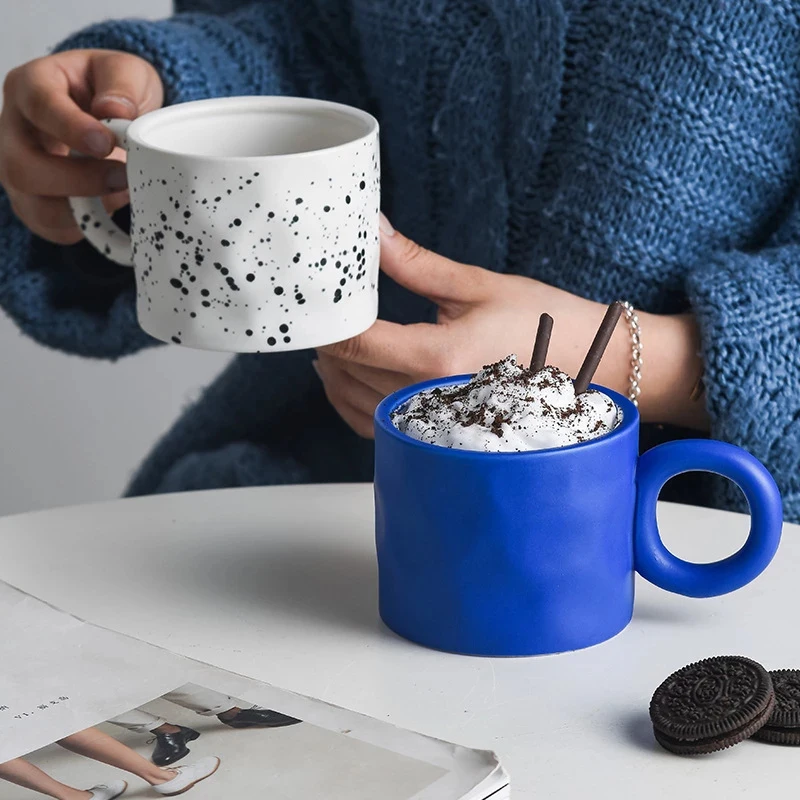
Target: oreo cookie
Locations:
point(712, 704)
point(783, 726)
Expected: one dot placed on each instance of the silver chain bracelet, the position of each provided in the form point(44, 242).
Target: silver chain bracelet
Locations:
point(636, 353)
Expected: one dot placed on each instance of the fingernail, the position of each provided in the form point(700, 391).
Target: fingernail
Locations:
point(117, 178)
point(386, 226)
point(98, 143)
point(119, 99)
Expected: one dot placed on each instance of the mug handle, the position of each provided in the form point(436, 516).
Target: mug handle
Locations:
point(99, 229)
point(656, 564)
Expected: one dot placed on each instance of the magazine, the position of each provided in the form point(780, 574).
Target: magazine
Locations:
point(87, 713)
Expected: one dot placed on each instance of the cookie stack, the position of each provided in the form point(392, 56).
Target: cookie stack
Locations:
point(721, 701)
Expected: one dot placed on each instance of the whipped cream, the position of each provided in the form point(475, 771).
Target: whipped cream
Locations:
point(507, 408)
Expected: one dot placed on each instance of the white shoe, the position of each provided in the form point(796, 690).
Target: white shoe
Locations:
point(108, 791)
point(188, 776)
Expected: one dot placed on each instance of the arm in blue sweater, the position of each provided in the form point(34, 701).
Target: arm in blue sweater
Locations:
point(748, 308)
point(71, 298)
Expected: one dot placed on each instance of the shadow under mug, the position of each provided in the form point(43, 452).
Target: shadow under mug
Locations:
point(514, 554)
point(254, 222)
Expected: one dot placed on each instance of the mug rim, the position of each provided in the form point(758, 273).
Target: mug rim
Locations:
point(135, 130)
point(383, 422)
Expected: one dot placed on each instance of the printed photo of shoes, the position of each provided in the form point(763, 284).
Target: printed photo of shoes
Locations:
point(256, 717)
point(171, 747)
point(108, 791)
point(186, 777)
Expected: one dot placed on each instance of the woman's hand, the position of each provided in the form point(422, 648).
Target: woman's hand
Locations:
point(50, 106)
point(484, 316)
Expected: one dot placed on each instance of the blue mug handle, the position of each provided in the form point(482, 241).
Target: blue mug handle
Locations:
point(656, 564)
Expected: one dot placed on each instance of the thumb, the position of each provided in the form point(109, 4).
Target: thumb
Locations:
point(427, 274)
point(125, 86)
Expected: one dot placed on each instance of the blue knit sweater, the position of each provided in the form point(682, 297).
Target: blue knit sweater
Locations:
point(620, 148)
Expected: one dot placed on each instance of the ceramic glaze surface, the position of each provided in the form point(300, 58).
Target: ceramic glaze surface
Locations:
point(526, 553)
point(250, 253)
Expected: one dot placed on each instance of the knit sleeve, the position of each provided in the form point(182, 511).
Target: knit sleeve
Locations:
point(748, 308)
point(72, 299)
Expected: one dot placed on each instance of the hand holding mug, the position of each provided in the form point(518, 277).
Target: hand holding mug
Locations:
point(483, 316)
point(50, 107)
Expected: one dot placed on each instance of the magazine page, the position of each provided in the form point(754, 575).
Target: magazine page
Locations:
point(60, 674)
point(88, 713)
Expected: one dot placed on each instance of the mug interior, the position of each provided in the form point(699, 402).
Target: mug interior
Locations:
point(251, 127)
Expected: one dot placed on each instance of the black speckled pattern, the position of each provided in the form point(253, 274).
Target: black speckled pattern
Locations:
point(227, 257)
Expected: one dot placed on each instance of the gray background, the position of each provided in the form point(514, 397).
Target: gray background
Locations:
point(72, 430)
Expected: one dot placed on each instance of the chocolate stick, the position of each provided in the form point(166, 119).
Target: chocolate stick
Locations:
point(542, 342)
point(598, 347)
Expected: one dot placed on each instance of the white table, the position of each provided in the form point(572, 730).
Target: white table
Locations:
point(280, 584)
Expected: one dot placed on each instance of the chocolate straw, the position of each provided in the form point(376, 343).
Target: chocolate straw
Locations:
point(601, 340)
point(542, 342)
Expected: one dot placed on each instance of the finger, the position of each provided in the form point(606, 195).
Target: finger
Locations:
point(113, 202)
point(25, 167)
point(355, 403)
point(358, 419)
point(41, 92)
point(431, 275)
point(51, 218)
point(345, 389)
point(51, 145)
point(47, 217)
point(382, 381)
point(125, 86)
point(361, 423)
point(387, 345)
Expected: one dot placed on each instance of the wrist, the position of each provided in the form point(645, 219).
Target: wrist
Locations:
point(671, 370)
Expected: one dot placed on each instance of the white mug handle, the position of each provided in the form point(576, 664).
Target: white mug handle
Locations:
point(99, 229)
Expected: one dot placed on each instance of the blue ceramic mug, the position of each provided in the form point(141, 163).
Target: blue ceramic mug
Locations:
point(510, 554)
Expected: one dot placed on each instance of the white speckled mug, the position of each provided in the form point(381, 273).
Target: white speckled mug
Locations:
point(254, 222)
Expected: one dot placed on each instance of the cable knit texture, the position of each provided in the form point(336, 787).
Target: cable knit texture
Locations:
point(621, 148)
